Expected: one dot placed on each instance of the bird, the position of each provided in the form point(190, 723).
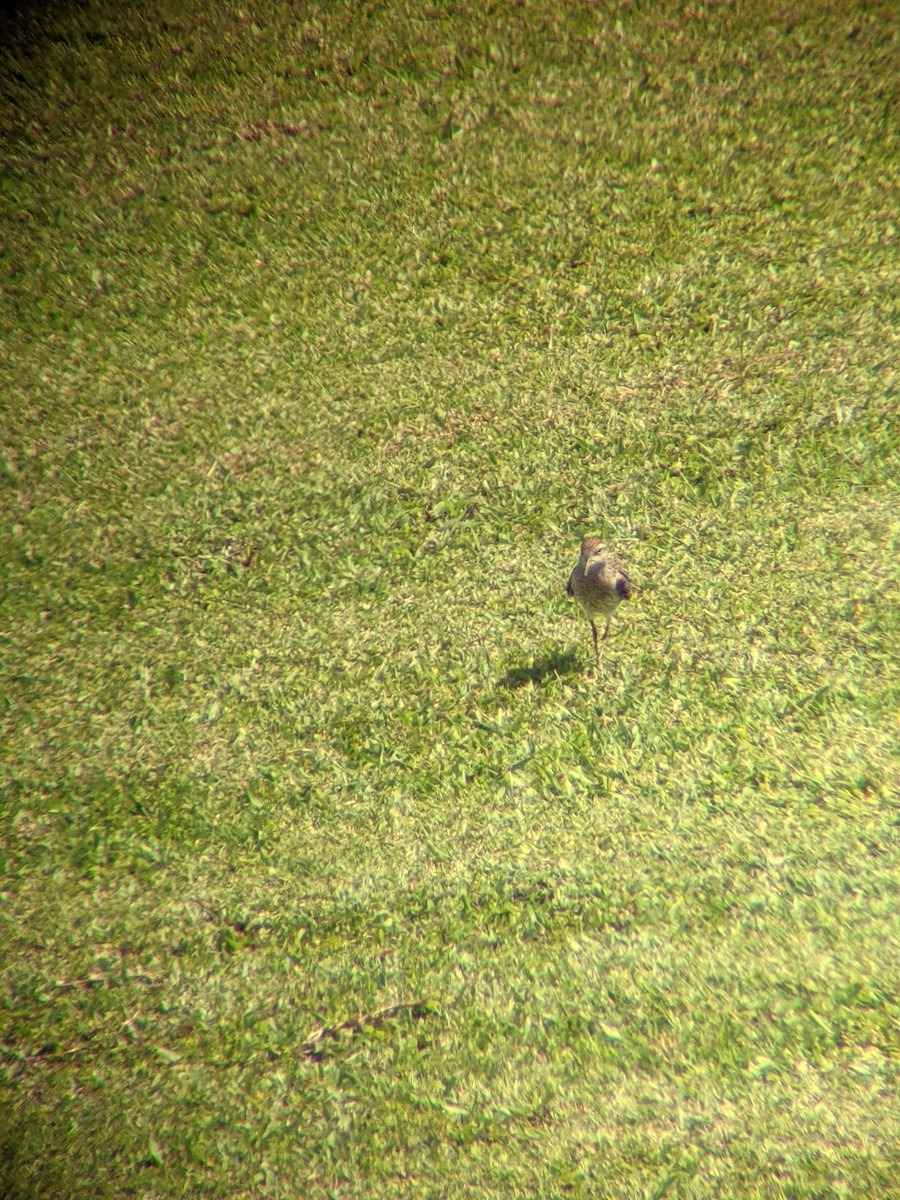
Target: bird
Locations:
point(599, 584)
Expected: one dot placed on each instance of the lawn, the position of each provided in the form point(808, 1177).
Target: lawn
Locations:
point(331, 864)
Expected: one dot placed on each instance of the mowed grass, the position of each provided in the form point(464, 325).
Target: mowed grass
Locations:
point(331, 866)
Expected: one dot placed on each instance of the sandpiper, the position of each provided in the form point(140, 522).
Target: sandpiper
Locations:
point(599, 584)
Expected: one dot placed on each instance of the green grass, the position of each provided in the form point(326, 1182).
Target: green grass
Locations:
point(330, 866)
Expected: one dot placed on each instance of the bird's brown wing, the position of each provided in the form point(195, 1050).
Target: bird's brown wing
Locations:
point(570, 591)
point(623, 583)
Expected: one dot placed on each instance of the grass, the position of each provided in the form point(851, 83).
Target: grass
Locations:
point(330, 866)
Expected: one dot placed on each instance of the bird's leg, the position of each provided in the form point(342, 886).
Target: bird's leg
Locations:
point(606, 630)
point(596, 651)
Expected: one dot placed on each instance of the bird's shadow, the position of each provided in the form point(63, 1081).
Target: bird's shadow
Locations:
point(554, 665)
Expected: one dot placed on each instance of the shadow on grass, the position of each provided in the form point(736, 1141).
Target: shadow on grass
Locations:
point(554, 665)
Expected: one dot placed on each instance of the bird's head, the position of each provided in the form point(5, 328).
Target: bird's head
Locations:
point(591, 547)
